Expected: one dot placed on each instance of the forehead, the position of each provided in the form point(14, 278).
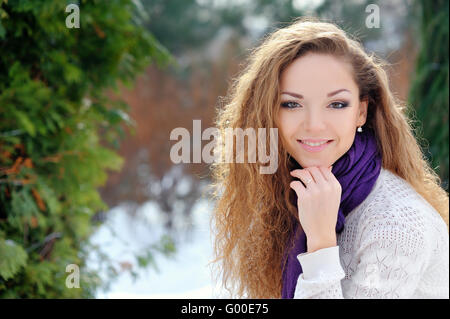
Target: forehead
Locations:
point(317, 73)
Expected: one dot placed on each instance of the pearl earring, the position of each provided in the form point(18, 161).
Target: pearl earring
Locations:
point(359, 129)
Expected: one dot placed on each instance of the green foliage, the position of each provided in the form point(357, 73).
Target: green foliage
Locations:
point(429, 91)
point(165, 246)
point(58, 128)
point(14, 257)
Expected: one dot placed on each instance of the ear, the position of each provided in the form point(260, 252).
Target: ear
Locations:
point(362, 116)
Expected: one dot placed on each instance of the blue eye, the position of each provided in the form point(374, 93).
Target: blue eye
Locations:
point(342, 105)
point(289, 105)
point(293, 105)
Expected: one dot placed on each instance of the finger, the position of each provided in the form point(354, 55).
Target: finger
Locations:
point(297, 187)
point(317, 175)
point(304, 176)
point(330, 176)
point(327, 173)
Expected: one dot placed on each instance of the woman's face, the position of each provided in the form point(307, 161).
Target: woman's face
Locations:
point(319, 103)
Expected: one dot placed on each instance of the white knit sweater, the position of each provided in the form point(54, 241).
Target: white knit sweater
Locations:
point(394, 245)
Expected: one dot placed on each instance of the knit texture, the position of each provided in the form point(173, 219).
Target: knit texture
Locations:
point(394, 245)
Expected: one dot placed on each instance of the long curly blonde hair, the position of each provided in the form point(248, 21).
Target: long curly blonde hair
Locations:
point(254, 213)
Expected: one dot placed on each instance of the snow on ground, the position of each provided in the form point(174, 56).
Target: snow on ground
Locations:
point(184, 275)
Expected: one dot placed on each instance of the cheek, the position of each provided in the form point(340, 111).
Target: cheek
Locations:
point(345, 141)
point(345, 123)
point(285, 125)
point(284, 137)
point(286, 129)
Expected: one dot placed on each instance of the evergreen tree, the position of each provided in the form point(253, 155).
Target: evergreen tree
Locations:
point(58, 128)
point(429, 89)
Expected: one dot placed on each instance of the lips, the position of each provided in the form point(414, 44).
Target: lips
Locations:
point(317, 148)
point(315, 140)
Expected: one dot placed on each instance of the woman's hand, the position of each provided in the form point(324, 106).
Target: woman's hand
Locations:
point(318, 205)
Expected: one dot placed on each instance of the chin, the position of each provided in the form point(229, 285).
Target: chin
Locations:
point(310, 163)
point(315, 163)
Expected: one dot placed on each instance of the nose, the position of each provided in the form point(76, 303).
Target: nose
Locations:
point(313, 121)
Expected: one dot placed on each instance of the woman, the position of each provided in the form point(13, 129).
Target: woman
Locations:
point(353, 210)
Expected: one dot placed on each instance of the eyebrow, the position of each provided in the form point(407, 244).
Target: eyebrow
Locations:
point(299, 96)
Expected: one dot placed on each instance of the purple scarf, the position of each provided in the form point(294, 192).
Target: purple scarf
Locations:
point(357, 171)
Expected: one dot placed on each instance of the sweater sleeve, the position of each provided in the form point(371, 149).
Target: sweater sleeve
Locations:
point(391, 260)
point(321, 276)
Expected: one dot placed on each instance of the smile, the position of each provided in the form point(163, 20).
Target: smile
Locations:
point(314, 147)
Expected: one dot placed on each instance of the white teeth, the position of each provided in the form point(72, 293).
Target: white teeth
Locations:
point(314, 144)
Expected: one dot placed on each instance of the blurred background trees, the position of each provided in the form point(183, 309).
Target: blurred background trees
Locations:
point(210, 40)
point(58, 122)
point(429, 88)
